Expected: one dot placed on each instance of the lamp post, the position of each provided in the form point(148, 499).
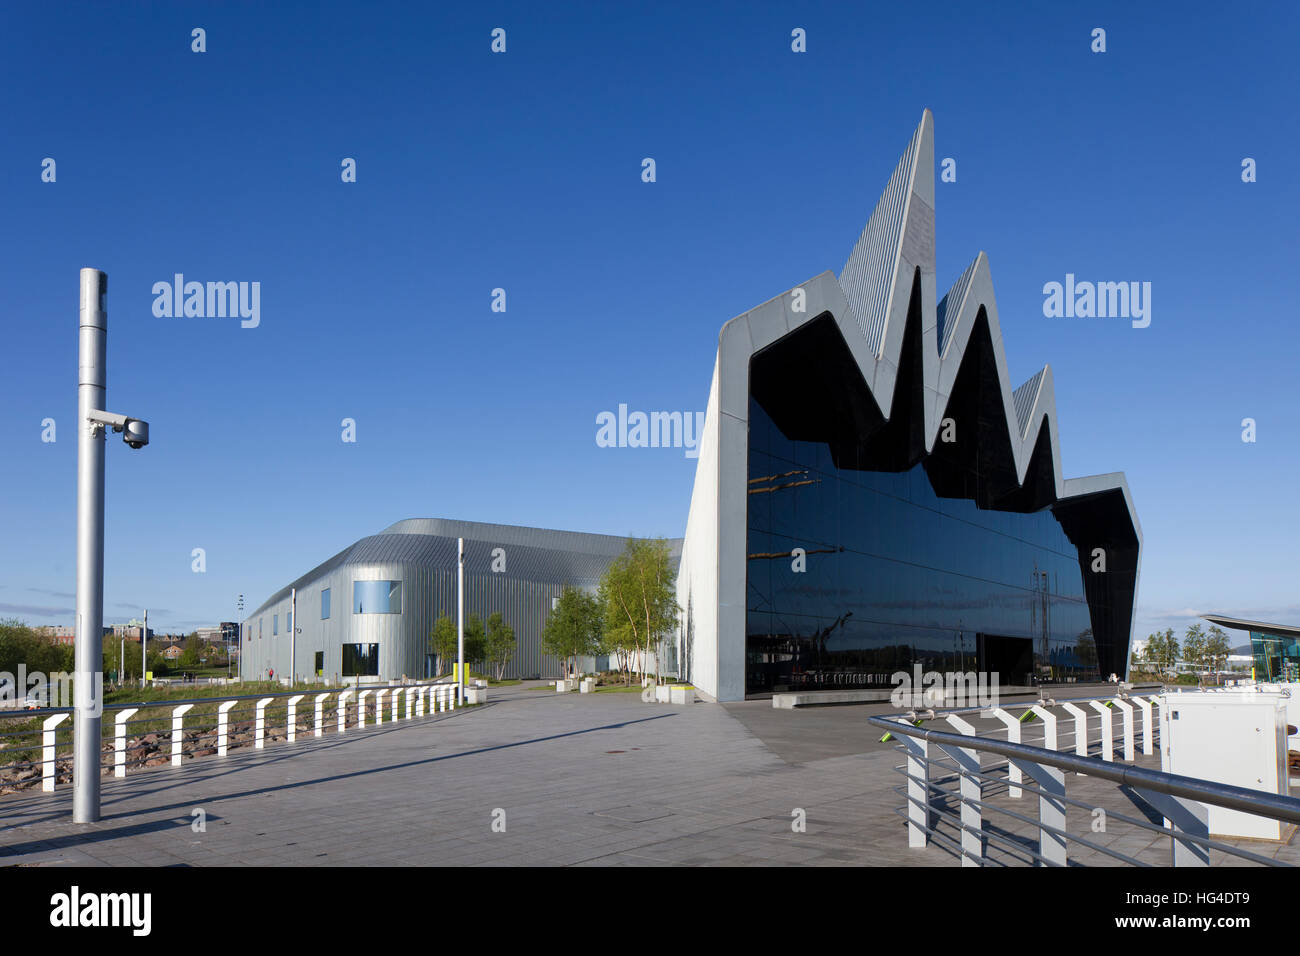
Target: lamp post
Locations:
point(460, 621)
point(92, 425)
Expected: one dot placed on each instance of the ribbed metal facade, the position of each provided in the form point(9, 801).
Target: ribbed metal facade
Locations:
point(533, 566)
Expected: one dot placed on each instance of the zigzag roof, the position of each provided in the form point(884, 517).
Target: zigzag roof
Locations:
point(874, 289)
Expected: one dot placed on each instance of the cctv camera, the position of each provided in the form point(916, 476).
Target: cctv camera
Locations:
point(136, 433)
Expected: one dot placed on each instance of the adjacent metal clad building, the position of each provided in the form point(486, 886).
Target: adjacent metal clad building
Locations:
point(375, 602)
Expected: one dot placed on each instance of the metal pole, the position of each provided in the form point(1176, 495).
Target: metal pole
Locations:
point(293, 633)
point(92, 381)
point(144, 645)
point(121, 661)
point(460, 620)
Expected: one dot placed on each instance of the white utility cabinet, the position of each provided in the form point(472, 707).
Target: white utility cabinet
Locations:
point(1229, 737)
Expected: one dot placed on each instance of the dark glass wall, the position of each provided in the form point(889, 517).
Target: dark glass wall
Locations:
point(981, 577)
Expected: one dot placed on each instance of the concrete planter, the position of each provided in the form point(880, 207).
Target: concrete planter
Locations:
point(476, 695)
point(662, 695)
point(683, 695)
point(588, 686)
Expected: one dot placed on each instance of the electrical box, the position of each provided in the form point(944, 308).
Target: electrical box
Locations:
point(1229, 737)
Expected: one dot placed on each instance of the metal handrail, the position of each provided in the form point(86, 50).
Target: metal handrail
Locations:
point(1224, 795)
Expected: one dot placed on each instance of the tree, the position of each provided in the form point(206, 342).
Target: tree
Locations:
point(1217, 647)
point(500, 643)
point(475, 640)
point(1194, 644)
point(638, 600)
point(573, 628)
point(442, 642)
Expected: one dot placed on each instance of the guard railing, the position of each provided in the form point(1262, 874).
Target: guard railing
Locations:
point(156, 733)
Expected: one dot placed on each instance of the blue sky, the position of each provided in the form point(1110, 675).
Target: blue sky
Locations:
point(522, 171)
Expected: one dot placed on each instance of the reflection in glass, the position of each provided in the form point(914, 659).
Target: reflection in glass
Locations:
point(376, 597)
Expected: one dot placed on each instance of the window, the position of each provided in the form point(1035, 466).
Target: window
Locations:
point(325, 604)
point(376, 597)
point(320, 657)
point(275, 624)
point(360, 660)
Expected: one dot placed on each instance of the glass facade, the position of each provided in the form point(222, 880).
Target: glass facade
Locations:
point(376, 597)
point(866, 556)
point(1277, 657)
point(360, 660)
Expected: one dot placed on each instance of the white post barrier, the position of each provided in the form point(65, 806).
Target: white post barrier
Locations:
point(1080, 730)
point(320, 713)
point(343, 709)
point(223, 727)
point(361, 708)
point(1014, 773)
point(1126, 709)
point(972, 817)
point(455, 694)
point(1049, 725)
point(419, 702)
point(1147, 735)
point(259, 725)
point(292, 717)
point(1107, 740)
point(119, 741)
point(379, 706)
point(397, 699)
point(49, 770)
point(178, 735)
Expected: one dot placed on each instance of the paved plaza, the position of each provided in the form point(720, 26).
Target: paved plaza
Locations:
point(537, 778)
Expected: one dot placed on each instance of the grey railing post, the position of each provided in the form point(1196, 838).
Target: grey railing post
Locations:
point(972, 819)
point(1183, 816)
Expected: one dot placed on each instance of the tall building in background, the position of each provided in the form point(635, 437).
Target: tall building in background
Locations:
point(872, 494)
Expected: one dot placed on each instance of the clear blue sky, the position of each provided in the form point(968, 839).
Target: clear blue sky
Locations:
point(522, 171)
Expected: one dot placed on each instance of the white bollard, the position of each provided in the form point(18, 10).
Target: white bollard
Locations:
point(410, 702)
point(119, 741)
point(259, 723)
point(1107, 740)
point(291, 718)
point(1049, 726)
point(1014, 773)
point(1147, 734)
point(49, 769)
point(320, 713)
point(361, 708)
point(379, 706)
point(178, 736)
point(397, 699)
point(343, 708)
point(419, 702)
point(1126, 709)
point(223, 727)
